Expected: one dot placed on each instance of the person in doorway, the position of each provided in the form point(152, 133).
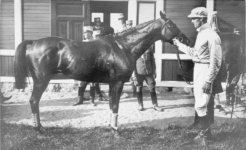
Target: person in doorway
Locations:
point(97, 24)
point(146, 71)
point(94, 87)
point(122, 23)
point(207, 56)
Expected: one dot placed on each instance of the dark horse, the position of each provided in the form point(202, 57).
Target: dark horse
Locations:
point(233, 59)
point(109, 59)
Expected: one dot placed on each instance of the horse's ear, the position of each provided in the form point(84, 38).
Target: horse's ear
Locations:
point(163, 15)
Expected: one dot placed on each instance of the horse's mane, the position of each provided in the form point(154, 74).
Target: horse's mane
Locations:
point(133, 29)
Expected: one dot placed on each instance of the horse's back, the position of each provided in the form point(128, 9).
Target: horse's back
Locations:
point(46, 42)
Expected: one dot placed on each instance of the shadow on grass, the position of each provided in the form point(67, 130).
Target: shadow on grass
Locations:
point(229, 135)
point(49, 109)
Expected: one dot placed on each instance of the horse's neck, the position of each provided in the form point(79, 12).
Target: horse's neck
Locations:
point(142, 46)
point(139, 41)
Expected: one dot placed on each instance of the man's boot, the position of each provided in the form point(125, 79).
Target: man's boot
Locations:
point(204, 131)
point(154, 101)
point(80, 96)
point(134, 90)
point(101, 95)
point(196, 121)
point(140, 98)
point(92, 93)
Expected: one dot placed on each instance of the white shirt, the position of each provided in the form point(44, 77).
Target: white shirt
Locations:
point(120, 28)
point(207, 50)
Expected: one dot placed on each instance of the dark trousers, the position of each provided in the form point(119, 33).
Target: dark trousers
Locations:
point(149, 79)
point(94, 88)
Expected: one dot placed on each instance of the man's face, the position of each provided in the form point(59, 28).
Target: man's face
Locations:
point(197, 22)
point(88, 35)
point(98, 23)
point(128, 25)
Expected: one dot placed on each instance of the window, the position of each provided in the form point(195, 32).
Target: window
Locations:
point(146, 12)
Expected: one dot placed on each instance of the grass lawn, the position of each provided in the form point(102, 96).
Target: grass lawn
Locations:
point(227, 136)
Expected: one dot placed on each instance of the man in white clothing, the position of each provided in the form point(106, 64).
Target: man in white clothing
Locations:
point(207, 56)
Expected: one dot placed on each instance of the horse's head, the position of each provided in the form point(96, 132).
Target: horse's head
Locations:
point(169, 30)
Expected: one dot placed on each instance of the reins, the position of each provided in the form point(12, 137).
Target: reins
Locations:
point(184, 73)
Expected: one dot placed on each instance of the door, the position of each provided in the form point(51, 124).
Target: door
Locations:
point(69, 17)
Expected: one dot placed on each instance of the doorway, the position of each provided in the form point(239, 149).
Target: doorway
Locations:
point(108, 11)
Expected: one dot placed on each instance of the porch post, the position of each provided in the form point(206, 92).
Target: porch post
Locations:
point(18, 22)
point(132, 11)
point(158, 45)
point(210, 8)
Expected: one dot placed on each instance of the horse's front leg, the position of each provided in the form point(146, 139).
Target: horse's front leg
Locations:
point(114, 99)
point(38, 89)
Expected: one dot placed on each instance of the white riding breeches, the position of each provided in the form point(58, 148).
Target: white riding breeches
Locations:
point(201, 99)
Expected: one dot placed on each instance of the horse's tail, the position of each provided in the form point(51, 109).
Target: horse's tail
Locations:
point(20, 66)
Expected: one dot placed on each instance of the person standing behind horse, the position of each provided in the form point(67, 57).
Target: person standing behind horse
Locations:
point(87, 36)
point(146, 71)
point(94, 87)
point(207, 56)
point(97, 32)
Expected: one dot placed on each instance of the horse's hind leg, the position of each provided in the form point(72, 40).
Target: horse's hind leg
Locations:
point(38, 89)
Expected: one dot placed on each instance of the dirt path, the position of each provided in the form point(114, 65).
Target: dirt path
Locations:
point(57, 110)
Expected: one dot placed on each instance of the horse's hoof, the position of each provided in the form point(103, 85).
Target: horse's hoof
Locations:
point(156, 108)
point(93, 104)
point(115, 132)
point(40, 129)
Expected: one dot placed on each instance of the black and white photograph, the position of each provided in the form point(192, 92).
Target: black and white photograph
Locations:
point(122, 75)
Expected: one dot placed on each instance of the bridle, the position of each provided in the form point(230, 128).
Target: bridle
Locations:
point(181, 39)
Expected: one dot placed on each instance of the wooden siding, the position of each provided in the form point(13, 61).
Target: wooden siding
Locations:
point(37, 19)
point(177, 11)
point(7, 24)
point(232, 12)
point(173, 71)
point(6, 66)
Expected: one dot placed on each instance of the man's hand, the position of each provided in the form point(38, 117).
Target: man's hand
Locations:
point(176, 42)
point(207, 88)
